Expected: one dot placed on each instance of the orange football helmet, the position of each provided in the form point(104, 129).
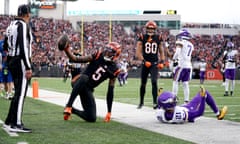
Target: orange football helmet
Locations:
point(151, 27)
point(112, 51)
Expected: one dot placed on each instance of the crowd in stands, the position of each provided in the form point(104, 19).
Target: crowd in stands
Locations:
point(95, 35)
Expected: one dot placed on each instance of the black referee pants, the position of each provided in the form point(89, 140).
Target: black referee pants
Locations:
point(17, 69)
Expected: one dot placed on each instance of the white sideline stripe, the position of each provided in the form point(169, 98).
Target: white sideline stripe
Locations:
point(12, 134)
point(22, 143)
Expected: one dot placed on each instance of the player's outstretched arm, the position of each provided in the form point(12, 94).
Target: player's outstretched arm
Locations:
point(64, 45)
point(82, 59)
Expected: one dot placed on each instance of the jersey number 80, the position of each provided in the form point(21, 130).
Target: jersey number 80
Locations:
point(151, 48)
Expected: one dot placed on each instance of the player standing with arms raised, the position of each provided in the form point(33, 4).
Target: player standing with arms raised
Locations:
point(149, 47)
point(184, 49)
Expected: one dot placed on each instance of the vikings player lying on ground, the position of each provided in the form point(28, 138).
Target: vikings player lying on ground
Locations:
point(169, 112)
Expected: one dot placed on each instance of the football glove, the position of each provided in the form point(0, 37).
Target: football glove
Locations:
point(160, 65)
point(147, 63)
point(175, 63)
point(107, 117)
point(160, 90)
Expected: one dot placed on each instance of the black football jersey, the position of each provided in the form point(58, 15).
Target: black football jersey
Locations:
point(99, 70)
point(150, 47)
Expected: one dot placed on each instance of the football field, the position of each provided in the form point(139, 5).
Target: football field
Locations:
point(46, 119)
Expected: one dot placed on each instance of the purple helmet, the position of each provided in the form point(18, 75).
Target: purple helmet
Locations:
point(167, 100)
point(230, 45)
point(184, 34)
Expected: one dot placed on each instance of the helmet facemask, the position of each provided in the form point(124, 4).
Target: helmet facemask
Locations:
point(108, 53)
point(151, 27)
point(112, 51)
point(151, 31)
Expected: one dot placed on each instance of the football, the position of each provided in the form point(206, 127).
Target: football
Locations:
point(63, 42)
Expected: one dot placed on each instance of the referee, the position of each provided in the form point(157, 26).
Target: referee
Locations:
point(19, 39)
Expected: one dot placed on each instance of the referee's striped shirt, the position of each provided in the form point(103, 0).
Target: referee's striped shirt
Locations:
point(19, 41)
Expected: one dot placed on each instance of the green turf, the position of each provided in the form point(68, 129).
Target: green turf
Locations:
point(49, 128)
